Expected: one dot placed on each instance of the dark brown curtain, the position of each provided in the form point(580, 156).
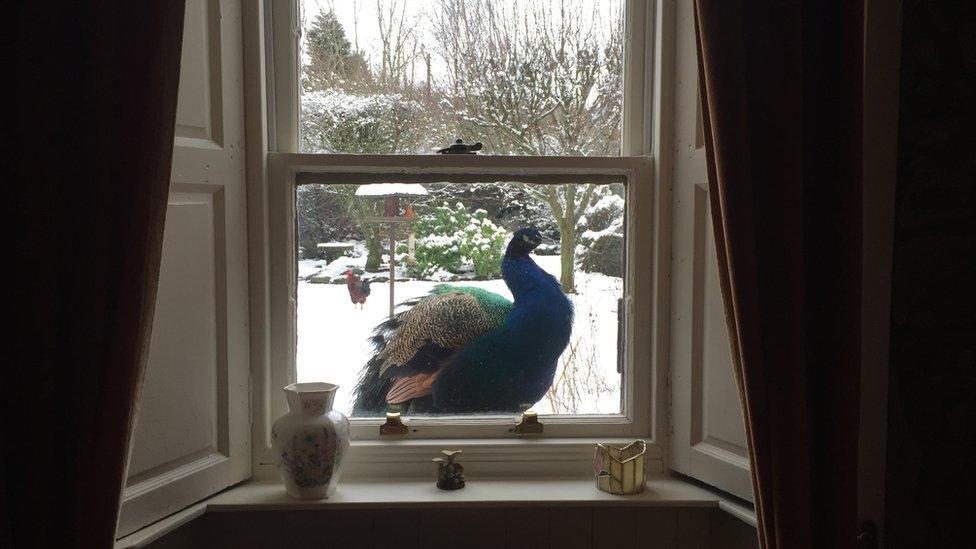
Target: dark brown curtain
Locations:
point(780, 84)
point(92, 125)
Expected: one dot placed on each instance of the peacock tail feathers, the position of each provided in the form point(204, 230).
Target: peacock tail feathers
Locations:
point(420, 338)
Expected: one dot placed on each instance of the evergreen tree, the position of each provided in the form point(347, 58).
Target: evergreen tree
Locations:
point(332, 63)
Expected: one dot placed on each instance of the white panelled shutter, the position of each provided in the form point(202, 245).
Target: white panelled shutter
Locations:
point(192, 436)
point(708, 440)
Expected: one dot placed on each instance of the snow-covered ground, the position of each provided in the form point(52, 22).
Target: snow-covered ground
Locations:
point(333, 346)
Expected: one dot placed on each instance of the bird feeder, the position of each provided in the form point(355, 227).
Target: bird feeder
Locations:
point(392, 195)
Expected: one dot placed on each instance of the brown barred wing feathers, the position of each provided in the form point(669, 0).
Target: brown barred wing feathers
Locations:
point(447, 321)
point(415, 345)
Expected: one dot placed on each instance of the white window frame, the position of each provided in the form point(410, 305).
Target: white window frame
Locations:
point(284, 71)
point(567, 440)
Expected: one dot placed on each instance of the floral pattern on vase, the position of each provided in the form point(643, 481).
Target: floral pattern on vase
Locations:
point(310, 441)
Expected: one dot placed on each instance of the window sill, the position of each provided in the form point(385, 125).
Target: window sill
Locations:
point(522, 458)
point(269, 495)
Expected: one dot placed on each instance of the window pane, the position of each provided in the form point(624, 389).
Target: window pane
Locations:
point(458, 344)
point(409, 77)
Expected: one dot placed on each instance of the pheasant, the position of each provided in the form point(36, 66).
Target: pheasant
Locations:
point(358, 288)
point(462, 349)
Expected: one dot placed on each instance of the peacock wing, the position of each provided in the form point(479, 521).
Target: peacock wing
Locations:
point(432, 331)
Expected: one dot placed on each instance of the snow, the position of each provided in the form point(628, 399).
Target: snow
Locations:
point(609, 202)
point(439, 240)
point(319, 268)
point(392, 189)
point(615, 228)
point(309, 268)
point(332, 333)
point(441, 275)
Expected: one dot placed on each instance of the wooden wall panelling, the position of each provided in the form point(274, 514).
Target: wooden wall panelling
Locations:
point(397, 528)
point(607, 527)
point(470, 527)
point(570, 527)
point(527, 527)
point(614, 527)
point(657, 528)
point(693, 526)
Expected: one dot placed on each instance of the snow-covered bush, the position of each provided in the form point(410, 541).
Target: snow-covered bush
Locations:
point(335, 121)
point(601, 244)
point(605, 255)
point(604, 213)
point(452, 239)
point(604, 217)
point(507, 203)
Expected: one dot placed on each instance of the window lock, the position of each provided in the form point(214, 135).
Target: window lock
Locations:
point(394, 425)
point(528, 424)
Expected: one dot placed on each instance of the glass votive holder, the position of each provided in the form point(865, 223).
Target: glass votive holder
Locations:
point(620, 470)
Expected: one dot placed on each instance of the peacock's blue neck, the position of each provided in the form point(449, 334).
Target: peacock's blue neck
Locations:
point(538, 297)
point(525, 279)
point(541, 321)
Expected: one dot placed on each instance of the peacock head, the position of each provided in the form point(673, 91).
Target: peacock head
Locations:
point(523, 242)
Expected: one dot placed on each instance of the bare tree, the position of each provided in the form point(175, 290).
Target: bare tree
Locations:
point(536, 79)
point(568, 202)
point(352, 104)
point(398, 44)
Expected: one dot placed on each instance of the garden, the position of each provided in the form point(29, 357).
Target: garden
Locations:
point(524, 78)
point(460, 234)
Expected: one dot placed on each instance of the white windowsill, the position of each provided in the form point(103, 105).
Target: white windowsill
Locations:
point(477, 493)
point(361, 494)
point(523, 458)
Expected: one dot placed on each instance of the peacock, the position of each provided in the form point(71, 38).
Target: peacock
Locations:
point(462, 349)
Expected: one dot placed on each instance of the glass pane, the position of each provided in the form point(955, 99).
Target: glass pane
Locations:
point(410, 77)
point(483, 278)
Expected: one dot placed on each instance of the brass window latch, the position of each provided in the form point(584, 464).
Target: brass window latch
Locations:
point(394, 425)
point(528, 424)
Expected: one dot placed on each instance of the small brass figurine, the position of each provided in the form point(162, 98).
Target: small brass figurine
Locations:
point(459, 147)
point(450, 475)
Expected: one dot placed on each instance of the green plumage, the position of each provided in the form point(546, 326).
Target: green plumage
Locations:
point(495, 305)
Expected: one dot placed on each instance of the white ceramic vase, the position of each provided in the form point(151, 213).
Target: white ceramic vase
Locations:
point(310, 441)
